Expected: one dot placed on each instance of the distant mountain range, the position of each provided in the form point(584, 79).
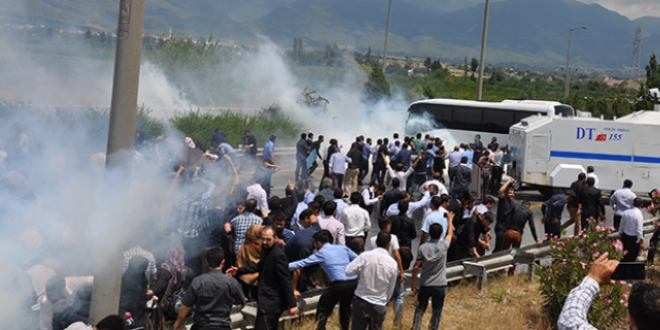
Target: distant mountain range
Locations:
point(521, 32)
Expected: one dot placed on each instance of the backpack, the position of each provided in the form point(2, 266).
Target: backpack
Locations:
point(171, 300)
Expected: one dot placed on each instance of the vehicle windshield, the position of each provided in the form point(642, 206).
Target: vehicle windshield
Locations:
point(564, 110)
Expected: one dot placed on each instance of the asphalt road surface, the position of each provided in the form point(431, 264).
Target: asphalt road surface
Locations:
point(280, 179)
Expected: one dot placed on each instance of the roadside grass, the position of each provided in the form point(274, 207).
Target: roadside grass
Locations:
point(504, 304)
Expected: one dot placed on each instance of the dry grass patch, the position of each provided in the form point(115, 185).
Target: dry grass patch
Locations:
point(504, 304)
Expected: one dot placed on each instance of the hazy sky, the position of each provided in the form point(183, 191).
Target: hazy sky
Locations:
point(631, 8)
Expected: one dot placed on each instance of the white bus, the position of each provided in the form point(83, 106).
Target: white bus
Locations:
point(458, 121)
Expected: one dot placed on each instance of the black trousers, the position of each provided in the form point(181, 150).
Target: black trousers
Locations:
point(630, 244)
point(653, 245)
point(495, 178)
point(364, 170)
point(617, 222)
point(378, 174)
point(366, 314)
point(338, 292)
point(266, 321)
point(553, 229)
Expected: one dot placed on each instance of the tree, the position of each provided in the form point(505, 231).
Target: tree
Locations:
point(335, 50)
point(376, 87)
point(474, 65)
point(436, 65)
point(294, 53)
point(644, 100)
point(88, 34)
point(428, 63)
point(300, 49)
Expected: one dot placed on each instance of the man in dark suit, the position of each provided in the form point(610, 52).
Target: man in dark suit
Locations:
point(462, 178)
point(275, 291)
point(591, 205)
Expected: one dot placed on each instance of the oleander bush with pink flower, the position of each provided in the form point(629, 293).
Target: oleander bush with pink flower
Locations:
point(571, 259)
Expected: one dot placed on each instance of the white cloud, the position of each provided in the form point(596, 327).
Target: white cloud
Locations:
point(630, 8)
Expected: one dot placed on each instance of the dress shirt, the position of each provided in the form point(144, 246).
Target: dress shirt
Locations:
point(211, 295)
point(341, 206)
point(632, 223)
point(431, 157)
point(576, 307)
point(470, 156)
point(375, 155)
point(256, 192)
point(394, 244)
point(301, 245)
point(454, 158)
point(402, 175)
point(356, 221)
point(519, 217)
point(226, 149)
point(369, 197)
point(337, 161)
point(441, 187)
point(553, 207)
point(269, 148)
point(332, 258)
point(498, 156)
point(593, 175)
point(405, 157)
point(366, 152)
point(287, 234)
point(301, 150)
point(419, 145)
point(240, 225)
point(299, 208)
point(412, 207)
point(622, 200)
point(377, 276)
point(309, 197)
point(335, 228)
point(435, 217)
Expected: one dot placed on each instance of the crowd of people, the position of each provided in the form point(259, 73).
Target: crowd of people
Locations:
point(222, 243)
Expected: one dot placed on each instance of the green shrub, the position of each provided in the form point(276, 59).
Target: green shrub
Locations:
point(199, 125)
point(571, 259)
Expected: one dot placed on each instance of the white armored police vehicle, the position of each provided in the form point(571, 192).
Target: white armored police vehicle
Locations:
point(550, 151)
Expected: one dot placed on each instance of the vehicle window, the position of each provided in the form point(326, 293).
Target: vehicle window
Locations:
point(466, 118)
point(497, 121)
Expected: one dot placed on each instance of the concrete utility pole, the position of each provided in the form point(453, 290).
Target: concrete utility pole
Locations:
point(484, 36)
point(123, 111)
point(567, 82)
point(387, 32)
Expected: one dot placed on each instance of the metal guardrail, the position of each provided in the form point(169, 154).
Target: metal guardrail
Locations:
point(528, 255)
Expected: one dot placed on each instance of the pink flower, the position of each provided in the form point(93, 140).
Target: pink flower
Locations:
point(596, 254)
point(617, 245)
point(584, 265)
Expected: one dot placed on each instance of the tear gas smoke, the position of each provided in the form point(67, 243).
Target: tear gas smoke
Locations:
point(56, 215)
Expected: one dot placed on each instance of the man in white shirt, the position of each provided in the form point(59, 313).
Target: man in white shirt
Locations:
point(257, 192)
point(356, 223)
point(400, 173)
point(592, 174)
point(60, 294)
point(385, 225)
point(112, 322)
point(337, 168)
point(621, 201)
point(632, 231)
point(328, 222)
point(377, 276)
point(393, 210)
point(371, 196)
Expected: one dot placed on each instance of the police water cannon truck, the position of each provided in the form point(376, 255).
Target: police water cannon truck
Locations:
point(550, 151)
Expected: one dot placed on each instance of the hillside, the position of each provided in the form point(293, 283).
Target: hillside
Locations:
point(521, 32)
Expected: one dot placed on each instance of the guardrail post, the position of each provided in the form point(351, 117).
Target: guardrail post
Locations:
point(527, 259)
point(478, 270)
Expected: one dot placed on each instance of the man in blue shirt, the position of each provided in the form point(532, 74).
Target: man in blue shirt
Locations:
point(333, 259)
point(269, 150)
point(469, 153)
